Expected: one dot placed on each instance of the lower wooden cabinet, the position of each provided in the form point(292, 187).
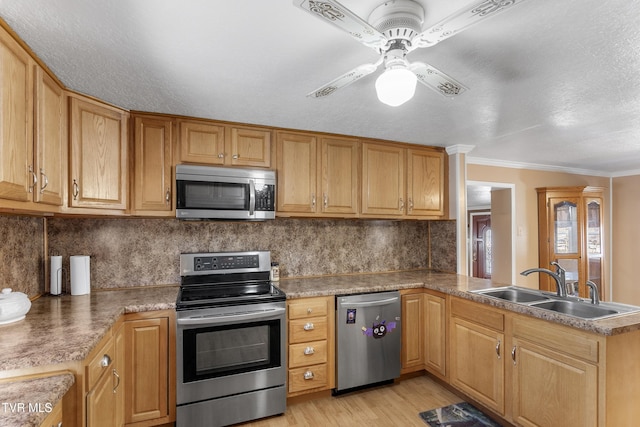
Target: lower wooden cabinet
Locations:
point(150, 368)
point(413, 327)
point(311, 348)
point(435, 334)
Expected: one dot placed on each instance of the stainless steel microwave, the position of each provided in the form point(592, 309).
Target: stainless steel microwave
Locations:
point(209, 192)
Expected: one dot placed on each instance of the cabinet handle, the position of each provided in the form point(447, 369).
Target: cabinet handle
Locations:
point(309, 326)
point(410, 204)
point(401, 204)
point(498, 349)
point(308, 375)
point(513, 355)
point(220, 155)
point(115, 374)
point(313, 200)
point(76, 189)
point(106, 361)
point(45, 180)
point(325, 200)
point(309, 351)
point(167, 196)
point(34, 179)
point(309, 310)
point(236, 156)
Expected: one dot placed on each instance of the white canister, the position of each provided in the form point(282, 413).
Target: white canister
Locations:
point(80, 274)
point(55, 275)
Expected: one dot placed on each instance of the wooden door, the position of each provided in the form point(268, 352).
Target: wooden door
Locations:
point(18, 178)
point(101, 402)
point(383, 180)
point(50, 140)
point(477, 366)
point(98, 154)
point(550, 388)
point(481, 246)
point(147, 391)
point(153, 160)
point(435, 334)
point(412, 332)
point(250, 147)
point(339, 169)
point(425, 183)
point(202, 142)
point(297, 177)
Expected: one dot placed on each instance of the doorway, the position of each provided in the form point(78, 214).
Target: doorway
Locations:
point(481, 245)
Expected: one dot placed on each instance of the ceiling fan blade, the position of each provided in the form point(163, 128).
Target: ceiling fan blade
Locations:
point(334, 13)
point(461, 20)
point(437, 80)
point(344, 80)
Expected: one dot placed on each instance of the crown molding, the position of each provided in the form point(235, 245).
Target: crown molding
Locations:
point(548, 168)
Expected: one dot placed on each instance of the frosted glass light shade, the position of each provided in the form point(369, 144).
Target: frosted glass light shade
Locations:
point(396, 86)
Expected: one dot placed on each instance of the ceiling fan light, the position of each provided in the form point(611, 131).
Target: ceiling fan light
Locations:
point(396, 86)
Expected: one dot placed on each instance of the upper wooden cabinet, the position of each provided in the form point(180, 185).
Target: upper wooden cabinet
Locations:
point(31, 163)
point(218, 144)
point(401, 182)
point(153, 161)
point(570, 232)
point(98, 155)
point(317, 175)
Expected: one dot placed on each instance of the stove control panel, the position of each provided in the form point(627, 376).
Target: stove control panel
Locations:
point(224, 262)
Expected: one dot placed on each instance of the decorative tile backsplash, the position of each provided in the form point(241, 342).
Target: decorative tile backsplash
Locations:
point(128, 252)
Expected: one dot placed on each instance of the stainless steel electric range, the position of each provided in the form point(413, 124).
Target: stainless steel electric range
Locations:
point(231, 340)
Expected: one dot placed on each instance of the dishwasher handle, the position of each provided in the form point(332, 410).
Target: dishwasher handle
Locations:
point(370, 303)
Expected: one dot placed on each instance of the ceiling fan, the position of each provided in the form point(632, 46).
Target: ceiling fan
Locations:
point(394, 29)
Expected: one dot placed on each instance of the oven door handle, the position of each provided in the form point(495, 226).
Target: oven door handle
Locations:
point(214, 319)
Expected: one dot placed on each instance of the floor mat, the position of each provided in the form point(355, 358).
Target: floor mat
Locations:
point(459, 415)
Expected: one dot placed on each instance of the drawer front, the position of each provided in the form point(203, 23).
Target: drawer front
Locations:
point(306, 354)
point(477, 313)
point(307, 378)
point(308, 307)
point(305, 330)
point(96, 367)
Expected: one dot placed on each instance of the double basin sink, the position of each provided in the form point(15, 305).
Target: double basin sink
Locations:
point(570, 306)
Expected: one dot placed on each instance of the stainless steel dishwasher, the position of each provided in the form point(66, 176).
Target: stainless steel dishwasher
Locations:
point(368, 331)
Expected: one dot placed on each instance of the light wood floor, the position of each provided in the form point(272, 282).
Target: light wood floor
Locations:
point(394, 405)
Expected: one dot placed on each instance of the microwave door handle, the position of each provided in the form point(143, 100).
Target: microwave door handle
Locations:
point(252, 197)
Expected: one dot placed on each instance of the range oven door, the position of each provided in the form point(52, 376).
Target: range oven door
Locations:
point(230, 350)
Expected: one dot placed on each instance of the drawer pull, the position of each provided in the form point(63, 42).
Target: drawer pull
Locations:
point(105, 361)
point(308, 375)
point(498, 349)
point(309, 310)
point(309, 351)
point(513, 355)
point(309, 326)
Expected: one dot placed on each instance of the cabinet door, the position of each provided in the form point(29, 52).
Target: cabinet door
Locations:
point(339, 169)
point(250, 147)
point(297, 178)
point(477, 366)
point(435, 334)
point(383, 176)
point(201, 143)
point(425, 183)
point(153, 160)
point(50, 139)
point(412, 332)
point(594, 245)
point(98, 172)
point(17, 176)
point(550, 388)
point(102, 403)
point(147, 387)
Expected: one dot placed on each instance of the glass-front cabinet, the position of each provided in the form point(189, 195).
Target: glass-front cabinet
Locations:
point(570, 233)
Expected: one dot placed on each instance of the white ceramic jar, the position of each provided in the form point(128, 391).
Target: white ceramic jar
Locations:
point(13, 306)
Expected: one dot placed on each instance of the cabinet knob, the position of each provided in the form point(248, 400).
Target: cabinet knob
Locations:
point(236, 156)
point(309, 351)
point(308, 375)
point(309, 310)
point(105, 361)
point(220, 155)
point(309, 326)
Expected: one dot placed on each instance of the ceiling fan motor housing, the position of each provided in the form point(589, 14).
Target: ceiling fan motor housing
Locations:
point(398, 19)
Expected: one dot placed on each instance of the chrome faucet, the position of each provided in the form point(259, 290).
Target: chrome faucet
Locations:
point(593, 292)
point(559, 277)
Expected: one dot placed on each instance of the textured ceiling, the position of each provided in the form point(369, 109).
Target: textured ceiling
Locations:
point(551, 83)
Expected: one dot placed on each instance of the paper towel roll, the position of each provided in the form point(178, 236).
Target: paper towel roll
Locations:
point(80, 274)
point(55, 281)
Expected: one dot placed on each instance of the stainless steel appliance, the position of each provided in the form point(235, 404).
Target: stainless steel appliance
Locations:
point(208, 192)
point(231, 340)
point(368, 331)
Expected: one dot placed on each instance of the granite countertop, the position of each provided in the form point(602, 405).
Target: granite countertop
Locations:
point(28, 402)
point(452, 284)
